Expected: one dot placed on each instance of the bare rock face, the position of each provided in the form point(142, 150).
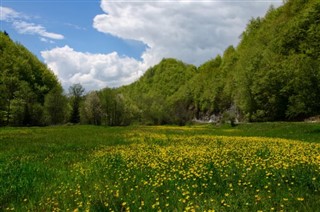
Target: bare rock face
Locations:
point(313, 119)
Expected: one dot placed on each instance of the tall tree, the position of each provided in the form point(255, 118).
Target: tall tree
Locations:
point(113, 107)
point(55, 106)
point(76, 92)
point(92, 109)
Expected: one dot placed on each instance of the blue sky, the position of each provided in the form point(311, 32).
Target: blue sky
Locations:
point(101, 43)
point(73, 19)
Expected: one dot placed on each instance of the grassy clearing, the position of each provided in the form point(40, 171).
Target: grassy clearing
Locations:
point(248, 168)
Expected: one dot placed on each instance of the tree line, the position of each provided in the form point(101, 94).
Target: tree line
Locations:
point(272, 75)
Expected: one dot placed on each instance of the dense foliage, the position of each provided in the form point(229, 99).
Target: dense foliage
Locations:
point(273, 74)
point(24, 84)
point(155, 93)
point(278, 67)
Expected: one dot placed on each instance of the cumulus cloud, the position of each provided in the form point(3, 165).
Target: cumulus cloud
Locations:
point(191, 31)
point(23, 27)
point(93, 71)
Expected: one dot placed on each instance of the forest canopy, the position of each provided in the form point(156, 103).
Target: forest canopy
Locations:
point(24, 84)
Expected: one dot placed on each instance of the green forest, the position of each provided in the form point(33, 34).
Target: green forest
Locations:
point(273, 74)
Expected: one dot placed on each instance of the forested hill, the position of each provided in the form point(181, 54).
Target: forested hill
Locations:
point(277, 73)
point(273, 74)
point(24, 84)
point(155, 93)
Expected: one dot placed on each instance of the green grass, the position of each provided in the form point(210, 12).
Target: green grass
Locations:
point(308, 132)
point(169, 168)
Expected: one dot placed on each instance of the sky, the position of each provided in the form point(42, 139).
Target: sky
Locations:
point(110, 43)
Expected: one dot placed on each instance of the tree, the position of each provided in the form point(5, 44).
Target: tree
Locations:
point(26, 111)
point(5, 33)
point(180, 112)
point(149, 97)
point(24, 82)
point(75, 91)
point(9, 86)
point(91, 109)
point(113, 107)
point(55, 106)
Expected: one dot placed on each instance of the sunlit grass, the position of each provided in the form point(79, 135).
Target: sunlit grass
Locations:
point(90, 168)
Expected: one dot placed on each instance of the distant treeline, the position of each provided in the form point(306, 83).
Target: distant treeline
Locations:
point(272, 75)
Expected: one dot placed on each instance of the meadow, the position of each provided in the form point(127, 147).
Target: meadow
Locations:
point(251, 167)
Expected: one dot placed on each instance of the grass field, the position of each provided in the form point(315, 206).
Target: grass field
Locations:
point(252, 167)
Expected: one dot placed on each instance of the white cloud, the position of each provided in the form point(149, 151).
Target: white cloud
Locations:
point(18, 22)
point(190, 31)
point(93, 71)
point(45, 40)
point(23, 27)
point(8, 14)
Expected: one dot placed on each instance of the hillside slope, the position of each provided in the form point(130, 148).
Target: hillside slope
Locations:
point(24, 83)
point(153, 93)
point(273, 74)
